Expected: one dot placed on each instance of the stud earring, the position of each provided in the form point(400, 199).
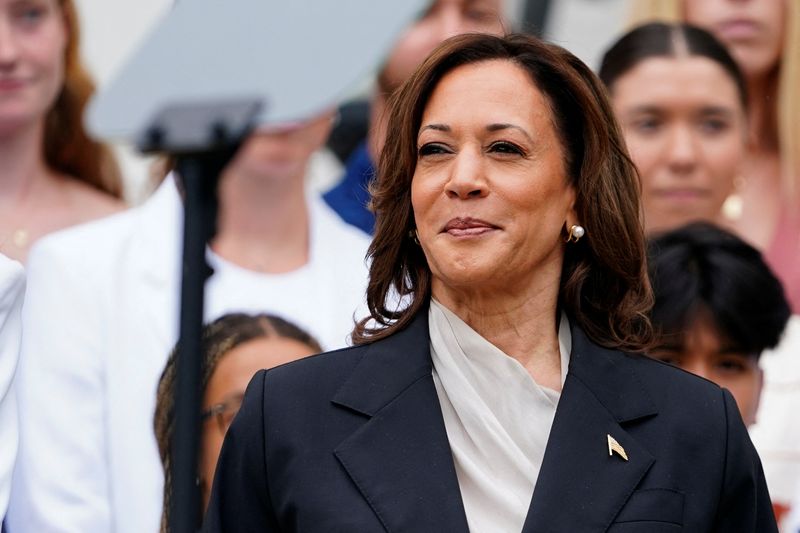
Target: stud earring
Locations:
point(575, 233)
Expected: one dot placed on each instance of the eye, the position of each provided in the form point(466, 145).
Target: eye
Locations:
point(647, 125)
point(733, 364)
point(505, 147)
point(432, 149)
point(481, 15)
point(30, 14)
point(714, 126)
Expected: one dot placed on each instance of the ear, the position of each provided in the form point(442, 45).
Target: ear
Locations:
point(571, 215)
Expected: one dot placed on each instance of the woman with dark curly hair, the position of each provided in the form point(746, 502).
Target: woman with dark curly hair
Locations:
point(234, 347)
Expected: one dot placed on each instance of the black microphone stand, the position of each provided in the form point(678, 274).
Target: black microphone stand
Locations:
point(203, 140)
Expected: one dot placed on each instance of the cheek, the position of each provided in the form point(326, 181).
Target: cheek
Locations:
point(211, 446)
point(646, 155)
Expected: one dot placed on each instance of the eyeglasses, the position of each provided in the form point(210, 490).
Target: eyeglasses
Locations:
point(224, 412)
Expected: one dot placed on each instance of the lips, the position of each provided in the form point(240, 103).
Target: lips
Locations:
point(11, 84)
point(468, 227)
point(739, 29)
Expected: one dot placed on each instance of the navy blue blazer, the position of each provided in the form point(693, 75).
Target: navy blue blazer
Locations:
point(354, 441)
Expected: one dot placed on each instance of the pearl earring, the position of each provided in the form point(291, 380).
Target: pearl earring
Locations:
point(575, 233)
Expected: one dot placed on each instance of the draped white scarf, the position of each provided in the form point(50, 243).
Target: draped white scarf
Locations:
point(497, 418)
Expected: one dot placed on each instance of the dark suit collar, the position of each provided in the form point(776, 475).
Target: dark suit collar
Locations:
point(580, 486)
point(401, 461)
point(400, 458)
point(614, 383)
point(388, 367)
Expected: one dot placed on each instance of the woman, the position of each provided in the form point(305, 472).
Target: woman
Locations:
point(234, 347)
point(764, 38)
point(508, 221)
point(717, 308)
point(682, 104)
point(54, 175)
point(100, 323)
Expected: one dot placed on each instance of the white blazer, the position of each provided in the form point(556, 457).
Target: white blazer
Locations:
point(101, 317)
point(12, 287)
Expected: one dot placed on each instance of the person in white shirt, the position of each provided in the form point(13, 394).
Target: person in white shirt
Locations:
point(102, 315)
point(12, 288)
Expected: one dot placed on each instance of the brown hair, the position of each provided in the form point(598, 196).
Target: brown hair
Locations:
point(67, 146)
point(604, 285)
point(218, 338)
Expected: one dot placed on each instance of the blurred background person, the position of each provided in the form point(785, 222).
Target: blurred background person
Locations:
point(718, 308)
point(53, 174)
point(764, 38)
point(445, 18)
point(12, 288)
point(100, 322)
point(234, 347)
point(682, 104)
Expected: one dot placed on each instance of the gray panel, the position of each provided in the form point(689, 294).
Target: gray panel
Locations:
point(297, 56)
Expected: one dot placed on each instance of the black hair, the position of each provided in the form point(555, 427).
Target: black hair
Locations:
point(702, 268)
point(658, 39)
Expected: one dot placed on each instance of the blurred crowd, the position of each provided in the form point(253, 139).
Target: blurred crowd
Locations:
point(706, 94)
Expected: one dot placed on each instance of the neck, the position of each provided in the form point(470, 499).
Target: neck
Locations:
point(521, 321)
point(763, 95)
point(263, 223)
point(21, 163)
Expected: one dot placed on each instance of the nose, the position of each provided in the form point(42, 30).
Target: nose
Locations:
point(683, 150)
point(9, 48)
point(698, 368)
point(467, 177)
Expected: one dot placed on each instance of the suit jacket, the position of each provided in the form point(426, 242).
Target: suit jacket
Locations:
point(354, 441)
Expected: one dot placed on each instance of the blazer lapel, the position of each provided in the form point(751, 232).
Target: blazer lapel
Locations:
point(581, 487)
point(400, 458)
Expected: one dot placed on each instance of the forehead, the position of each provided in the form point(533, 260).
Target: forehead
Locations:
point(676, 80)
point(494, 91)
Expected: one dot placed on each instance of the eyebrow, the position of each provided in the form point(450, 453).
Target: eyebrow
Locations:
point(490, 128)
point(655, 109)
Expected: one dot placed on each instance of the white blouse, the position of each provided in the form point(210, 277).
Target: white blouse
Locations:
point(497, 418)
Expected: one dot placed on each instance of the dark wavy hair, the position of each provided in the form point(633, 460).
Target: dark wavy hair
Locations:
point(701, 268)
point(604, 286)
point(658, 39)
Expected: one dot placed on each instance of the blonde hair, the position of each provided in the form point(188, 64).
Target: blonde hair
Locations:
point(788, 105)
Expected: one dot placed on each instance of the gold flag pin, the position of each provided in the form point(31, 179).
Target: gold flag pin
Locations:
point(613, 446)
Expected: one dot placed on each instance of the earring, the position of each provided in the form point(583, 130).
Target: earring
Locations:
point(734, 205)
point(575, 233)
point(412, 234)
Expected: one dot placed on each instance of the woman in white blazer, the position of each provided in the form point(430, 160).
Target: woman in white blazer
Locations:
point(102, 315)
point(12, 288)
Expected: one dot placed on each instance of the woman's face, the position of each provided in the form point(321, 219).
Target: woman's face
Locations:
point(444, 19)
point(226, 387)
point(685, 129)
point(281, 153)
point(704, 352)
point(490, 191)
point(33, 37)
point(753, 30)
